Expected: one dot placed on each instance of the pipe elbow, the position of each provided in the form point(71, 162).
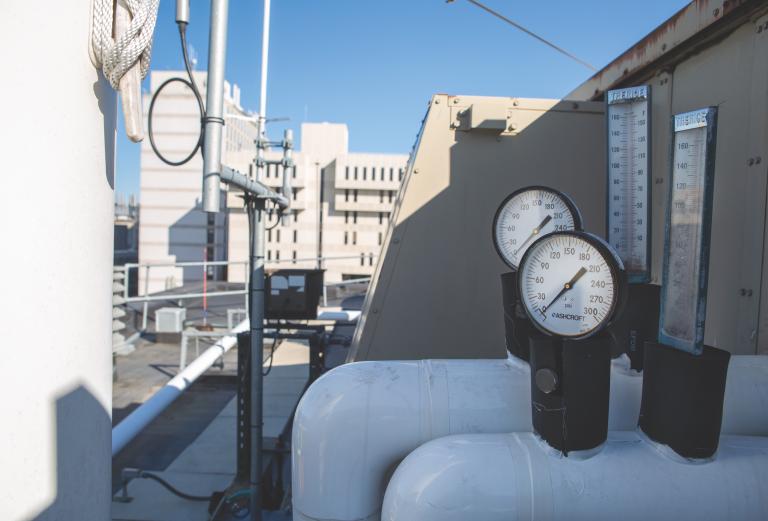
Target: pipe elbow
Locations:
point(352, 426)
point(455, 478)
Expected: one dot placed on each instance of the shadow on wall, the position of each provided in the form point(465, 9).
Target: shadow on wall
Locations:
point(187, 238)
point(83, 459)
point(436, 288)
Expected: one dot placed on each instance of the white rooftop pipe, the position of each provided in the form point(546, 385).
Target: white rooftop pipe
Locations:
point(503, 477)
point(135, 422)
point(357, 422)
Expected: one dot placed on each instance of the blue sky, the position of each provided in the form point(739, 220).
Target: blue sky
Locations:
point(374, 64)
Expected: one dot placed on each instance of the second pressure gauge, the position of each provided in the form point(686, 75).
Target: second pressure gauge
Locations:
point(528, 214)
point(571, 284)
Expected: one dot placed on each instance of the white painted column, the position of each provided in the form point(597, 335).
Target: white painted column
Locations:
point(56, 210)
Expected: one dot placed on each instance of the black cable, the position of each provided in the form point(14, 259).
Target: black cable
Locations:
point(275, 344)
point(171, 488)
point(193, 86)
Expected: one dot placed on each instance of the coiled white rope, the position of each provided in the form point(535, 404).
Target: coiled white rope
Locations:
point(115, 57)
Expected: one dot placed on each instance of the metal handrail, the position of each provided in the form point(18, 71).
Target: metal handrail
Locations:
point(145, 298)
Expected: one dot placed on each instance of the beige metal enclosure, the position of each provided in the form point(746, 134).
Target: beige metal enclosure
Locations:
point(436, 290)
point(723, 64)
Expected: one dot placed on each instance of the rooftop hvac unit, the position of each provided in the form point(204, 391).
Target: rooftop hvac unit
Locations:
point(293, 294)
point(170, 320)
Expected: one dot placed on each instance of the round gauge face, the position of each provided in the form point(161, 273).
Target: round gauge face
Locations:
point(571, 284)
point(528, 214)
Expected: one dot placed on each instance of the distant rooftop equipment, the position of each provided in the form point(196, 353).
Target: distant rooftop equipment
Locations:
point(170, 320)
point(293, 294)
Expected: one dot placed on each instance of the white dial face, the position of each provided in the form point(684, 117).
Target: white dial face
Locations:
point(567, 285)
point(525, 217)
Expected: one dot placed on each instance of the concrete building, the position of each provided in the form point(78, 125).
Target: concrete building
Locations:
point(173, 226)
point(340, 208)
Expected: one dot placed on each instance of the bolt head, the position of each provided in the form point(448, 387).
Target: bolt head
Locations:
point(546, 380)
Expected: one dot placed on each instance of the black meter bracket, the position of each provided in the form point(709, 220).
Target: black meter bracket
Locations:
point(570, 388)
point(637, 324)
point(517, 325)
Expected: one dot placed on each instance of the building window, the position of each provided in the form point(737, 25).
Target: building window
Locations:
point(362, 259)
point(355, 173)
point(295, 236)
point(294, 256)
point(293, 172)
point(400, 177)
point(346, 237)
point(354, 237)
point(277, 233)
point(370, 260)
point(269, 254)
point(295, 192)
point(354, 217)
point(295, 216)
point(346, 195)
point(381, 196)
point(380, 237)
point(346, 217)
point(390, 195)
point(354, 195)
point(381, 217)
point(365, 173)
point(391, 174)
point(346, 172)
point(381, 173)
point(277, 255)
point(269, 235)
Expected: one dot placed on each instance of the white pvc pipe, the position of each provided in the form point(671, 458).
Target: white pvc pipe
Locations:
point(135, 422)
point(357, 422)
point(492, 477)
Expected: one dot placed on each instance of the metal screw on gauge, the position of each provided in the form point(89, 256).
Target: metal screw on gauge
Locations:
point(546, 380)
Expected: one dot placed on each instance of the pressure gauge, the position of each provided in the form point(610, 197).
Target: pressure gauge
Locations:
point(571, 284)
point(689, 218)
point(629, 191)
point(528, 214)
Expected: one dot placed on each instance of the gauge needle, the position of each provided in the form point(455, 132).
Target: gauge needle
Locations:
point(535, 232)
point(568, 285)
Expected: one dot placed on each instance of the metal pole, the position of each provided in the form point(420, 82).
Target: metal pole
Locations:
point(146, 302)
point(320, 182)
point(263, 93)
point(214, 106)
point(256, 210)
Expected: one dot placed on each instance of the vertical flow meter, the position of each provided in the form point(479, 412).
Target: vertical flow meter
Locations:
point(684, 380)
point(689, 217)
point(524, 216)
point(572, 287)
point(628, 179)
point(628, 214)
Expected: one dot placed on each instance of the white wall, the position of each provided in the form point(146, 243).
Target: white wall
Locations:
point(56, 206)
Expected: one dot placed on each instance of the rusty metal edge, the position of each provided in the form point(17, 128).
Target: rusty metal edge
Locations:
point(692, 24)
